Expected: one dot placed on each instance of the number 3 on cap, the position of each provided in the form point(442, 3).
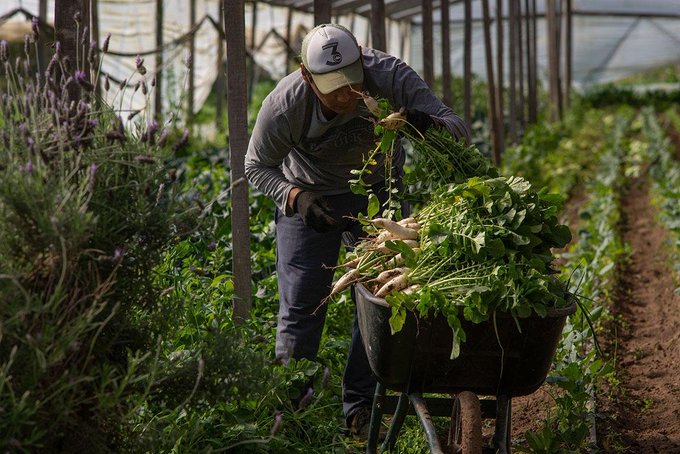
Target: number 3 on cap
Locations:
point(335, 55)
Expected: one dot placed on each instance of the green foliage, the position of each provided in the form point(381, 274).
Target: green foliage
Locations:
point(615, 95)
point(665, 173)
point(591, 270)
point(438, 159)
point(86, 208)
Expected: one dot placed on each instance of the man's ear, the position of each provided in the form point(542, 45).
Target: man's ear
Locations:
point(305, 74)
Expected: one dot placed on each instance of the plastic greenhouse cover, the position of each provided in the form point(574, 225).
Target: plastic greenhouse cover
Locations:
point(132, 25)
point(610, 41)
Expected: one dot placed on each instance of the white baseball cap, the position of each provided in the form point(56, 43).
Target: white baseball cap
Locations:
point(332, 56)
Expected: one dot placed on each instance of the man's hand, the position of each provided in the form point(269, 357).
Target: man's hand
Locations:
point(420, 121)
point(315, 211)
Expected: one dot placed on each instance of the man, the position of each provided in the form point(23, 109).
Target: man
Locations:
point(311, 131)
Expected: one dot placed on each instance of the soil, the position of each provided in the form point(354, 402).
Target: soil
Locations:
point(640, 412)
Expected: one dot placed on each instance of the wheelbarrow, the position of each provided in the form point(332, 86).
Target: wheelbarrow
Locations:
point(498, 360)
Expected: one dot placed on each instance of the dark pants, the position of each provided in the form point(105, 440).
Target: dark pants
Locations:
point(304, 264)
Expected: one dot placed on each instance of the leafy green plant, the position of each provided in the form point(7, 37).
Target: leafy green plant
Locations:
point(86, 207)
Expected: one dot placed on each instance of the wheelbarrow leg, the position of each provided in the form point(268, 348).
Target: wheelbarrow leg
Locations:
point(501, 437)
point(426, 421)
point(376, 417)
point(397, 423)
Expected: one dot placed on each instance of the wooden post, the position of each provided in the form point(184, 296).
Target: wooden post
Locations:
point(500, 75)
point(94, 32)
point(289, 38)
point(467, 63)
point(234, 27)
point(378, 40)
point(322, 11)
point(405, 31)
point(252, 67)
point(512, 69)
point(158, 63)
point(446, 53)
point(220, 82)
point(520, 64)
point(67, 33)
point(553, 62)
point(43, 55)
point(428, 52)
point(192, 50)
point(493, 117)
point(568, 52)
point(531, 61)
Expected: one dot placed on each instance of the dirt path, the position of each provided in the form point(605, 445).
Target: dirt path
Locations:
point(641, 414)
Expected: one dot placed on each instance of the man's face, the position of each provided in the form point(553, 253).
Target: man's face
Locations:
point(342, 100)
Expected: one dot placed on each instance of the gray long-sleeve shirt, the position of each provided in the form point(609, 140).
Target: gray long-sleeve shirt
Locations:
point(293, 145)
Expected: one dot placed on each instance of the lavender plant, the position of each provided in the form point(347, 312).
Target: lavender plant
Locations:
point(87, 205)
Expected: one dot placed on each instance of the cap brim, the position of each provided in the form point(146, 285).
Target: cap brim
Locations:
point(349, 75)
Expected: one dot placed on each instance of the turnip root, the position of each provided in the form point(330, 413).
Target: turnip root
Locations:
point(371, 103)
point(393, 121)
point(406, 221)
point(413, 226)
point(388, 274)
point(345, 281)
point(397, 283)
point(398, 230)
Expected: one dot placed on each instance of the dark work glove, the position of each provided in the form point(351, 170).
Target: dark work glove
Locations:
point(315, 211)
point(418, 120)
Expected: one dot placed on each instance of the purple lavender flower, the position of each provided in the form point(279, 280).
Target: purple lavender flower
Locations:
point(304, 403)
point(145, 159)
point(161, 191)
point(163, 137)
point(92, 53)
point(82, 80)
point(35, 27)
point(139, 62)
point(29, 165)
point(118, 254)
point(92, 176)
point(211, 246)
point(50, 66)
point(4, 51)
point(150, 133)
point(278, 420)
point(326, 377)
point(183, 141)
point(105, 46)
